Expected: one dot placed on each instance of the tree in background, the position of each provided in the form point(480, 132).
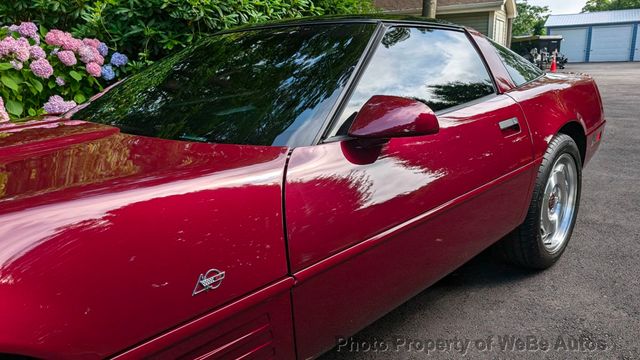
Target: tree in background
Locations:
point(152, 29)
point(604, 5)
point(530, 19)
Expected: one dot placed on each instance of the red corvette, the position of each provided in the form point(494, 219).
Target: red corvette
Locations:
point(274, 187)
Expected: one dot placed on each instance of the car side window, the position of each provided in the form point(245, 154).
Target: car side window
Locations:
point(438, 67)
point(521, 70)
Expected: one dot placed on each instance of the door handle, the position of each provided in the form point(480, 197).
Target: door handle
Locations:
point(509, 124)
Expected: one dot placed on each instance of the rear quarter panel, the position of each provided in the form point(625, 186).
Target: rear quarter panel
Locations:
point(551, 101)
point(554, 100)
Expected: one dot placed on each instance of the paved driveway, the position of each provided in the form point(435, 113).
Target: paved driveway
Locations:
point(590, 298)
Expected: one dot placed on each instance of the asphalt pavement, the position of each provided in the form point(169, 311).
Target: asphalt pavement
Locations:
point(587, 306)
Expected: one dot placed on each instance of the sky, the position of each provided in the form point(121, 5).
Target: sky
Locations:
point(560, 6)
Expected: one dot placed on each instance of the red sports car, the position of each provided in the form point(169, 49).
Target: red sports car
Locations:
point(274, 187)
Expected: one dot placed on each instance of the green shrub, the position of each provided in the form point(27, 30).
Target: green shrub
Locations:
point(144, 29)
point(151, 29)
point(345, 6)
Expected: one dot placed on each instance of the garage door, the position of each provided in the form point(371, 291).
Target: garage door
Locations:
point(574, 43)
point(611, 43)
point(636, 56)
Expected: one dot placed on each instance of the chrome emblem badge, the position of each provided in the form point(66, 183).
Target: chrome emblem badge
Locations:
point(208, 281)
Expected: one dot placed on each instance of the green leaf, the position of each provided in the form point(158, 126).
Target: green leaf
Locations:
point(43, 31)
point(32, 89)
point(32, 112)
point(9, 82)
point(37, 85)
point(14, 107)
point(5, 66)
point(76, 75)
point(79, 98)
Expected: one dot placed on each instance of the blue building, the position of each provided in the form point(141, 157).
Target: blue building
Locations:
point(598, 36)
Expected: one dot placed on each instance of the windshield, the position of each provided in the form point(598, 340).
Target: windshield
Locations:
point(256, 87)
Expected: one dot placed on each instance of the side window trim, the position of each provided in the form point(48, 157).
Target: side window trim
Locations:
point(475, 45)
point(353, 81)
point(517, 86)
point(363, 65)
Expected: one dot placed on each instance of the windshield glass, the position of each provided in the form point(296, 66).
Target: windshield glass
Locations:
point(257, 87)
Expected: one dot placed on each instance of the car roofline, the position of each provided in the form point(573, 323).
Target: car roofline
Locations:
point(347, 19)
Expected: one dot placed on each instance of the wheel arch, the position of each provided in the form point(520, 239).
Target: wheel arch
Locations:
point(575, 130)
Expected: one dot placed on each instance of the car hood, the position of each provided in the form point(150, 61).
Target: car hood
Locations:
point(98, 228)
point(56, 156)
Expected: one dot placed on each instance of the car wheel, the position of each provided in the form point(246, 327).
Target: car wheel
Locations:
point(540, 241)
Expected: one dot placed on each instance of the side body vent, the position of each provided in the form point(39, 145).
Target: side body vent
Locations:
point(251, 340)
point(250, 328)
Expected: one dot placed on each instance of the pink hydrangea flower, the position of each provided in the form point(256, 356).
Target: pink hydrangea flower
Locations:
point(4, 117)
point(90, 54)
point(60, 81)
point(41, 68)
point(67, 57)
point(72, 43)
point(94, 69)
point(37, 52)
point(91, 42)
point(57, 105)
point(64, 39)
point(28, 29)
point(55, 37)
point(6, 46)
point(21, 49)
point(17, 47)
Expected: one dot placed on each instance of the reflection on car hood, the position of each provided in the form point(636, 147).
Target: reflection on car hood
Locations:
point(50, 158)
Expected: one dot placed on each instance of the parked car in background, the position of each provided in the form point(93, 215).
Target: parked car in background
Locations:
point(273, 187)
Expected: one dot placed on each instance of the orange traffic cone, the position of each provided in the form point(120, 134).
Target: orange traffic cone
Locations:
point(554, 65)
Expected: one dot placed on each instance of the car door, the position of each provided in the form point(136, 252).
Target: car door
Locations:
point(371, 223)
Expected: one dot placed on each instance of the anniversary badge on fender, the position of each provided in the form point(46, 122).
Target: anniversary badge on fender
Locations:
point(208, 281)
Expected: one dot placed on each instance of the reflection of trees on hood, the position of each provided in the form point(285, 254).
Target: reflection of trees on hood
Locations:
point(244, 87)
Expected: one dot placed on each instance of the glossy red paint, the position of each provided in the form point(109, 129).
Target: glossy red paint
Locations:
point(342, 194)
point(555, 100)
point(347, 291)
point(550, 102)
point(103, 235)
point(256, 326)
point(105, 231)
point(393, 116)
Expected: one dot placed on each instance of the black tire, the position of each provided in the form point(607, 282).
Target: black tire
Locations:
point(524, 246)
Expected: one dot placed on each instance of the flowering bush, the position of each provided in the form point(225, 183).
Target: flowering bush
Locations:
point(51, 72)
point(148, 30)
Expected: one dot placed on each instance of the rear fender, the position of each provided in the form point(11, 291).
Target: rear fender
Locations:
point(555, 100)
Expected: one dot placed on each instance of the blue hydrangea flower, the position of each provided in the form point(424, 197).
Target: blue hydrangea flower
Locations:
point(103, 49)
point(108, 73)
point(118, 59)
